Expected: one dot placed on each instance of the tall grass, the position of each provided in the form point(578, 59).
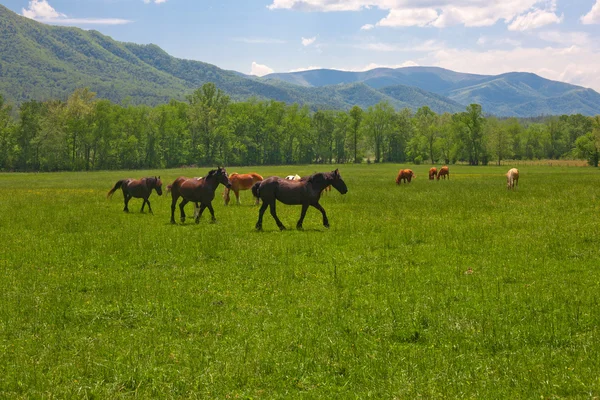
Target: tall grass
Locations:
point(454, 288)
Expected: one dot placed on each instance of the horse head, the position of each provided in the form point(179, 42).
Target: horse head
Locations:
point(158, 185)
point(337, 182)
point(220, 174)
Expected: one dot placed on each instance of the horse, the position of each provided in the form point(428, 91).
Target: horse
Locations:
point(241, 182)
point(293, 177)
point(198, 191)
point(444, 171)
point(512, 178)
point(405, 175)
point(305, 192)
point(432, 173)
point(139, 188)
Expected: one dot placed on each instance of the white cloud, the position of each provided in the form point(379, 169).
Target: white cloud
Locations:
point(304, 69)
point(409, 17)
point(495, 41)
point(592, 17)
point(367, 27)
point(155, 1)
point(565, 38)
point(534, 19)
point(260, 70)
point(308, 41)
point(521, 14)
point(42, 11)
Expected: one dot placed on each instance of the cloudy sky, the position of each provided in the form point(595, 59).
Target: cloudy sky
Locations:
point(557, 39)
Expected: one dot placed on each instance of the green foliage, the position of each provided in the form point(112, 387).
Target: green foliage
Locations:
point(85, 133)
point(450, 289)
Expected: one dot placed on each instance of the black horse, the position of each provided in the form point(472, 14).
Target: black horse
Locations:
point(305, 192)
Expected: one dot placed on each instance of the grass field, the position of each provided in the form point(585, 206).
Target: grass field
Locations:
point(449, 289)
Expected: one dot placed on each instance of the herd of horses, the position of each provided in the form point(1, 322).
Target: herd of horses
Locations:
point(291, 190)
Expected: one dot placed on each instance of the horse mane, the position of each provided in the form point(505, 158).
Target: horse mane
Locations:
point(318, 176)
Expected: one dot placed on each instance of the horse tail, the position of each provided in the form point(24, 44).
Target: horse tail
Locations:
point(255, 190)
point(117, 186)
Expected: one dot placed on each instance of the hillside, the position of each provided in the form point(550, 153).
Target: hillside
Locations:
point(40, 62)
point(512, 94)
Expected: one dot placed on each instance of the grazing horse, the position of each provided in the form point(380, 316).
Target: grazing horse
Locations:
point(305, 192)
point(241, 182)
point(432, 173)
point(140, 188)
point(293, 177)
point(445, 172)
point(512, 178)
point(198, 191)
point(405, 175)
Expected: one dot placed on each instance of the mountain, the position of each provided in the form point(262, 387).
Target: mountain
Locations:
point(511, 94)
point(40, 62)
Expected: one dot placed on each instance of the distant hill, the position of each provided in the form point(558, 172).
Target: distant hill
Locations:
point(41, 62)
point(512, 94)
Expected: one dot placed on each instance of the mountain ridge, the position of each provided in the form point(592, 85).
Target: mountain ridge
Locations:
point(41, 62)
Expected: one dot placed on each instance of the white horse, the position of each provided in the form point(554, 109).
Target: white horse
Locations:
point(512, 178)
point(293, 177)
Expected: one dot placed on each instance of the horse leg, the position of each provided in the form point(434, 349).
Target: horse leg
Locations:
point(274, 214)
point(200, 211)
point(325, 220)
point(226, 196)
point(126, 199)
point(302, 215)
point(173, 204)
point(237, 196)
point(261, 212)
point(212, 212)
point(182, 213)
point(149, 208)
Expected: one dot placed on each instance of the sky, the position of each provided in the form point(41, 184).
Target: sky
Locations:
point(556, 39)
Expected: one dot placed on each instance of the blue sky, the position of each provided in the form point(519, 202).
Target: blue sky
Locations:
point(557, 39)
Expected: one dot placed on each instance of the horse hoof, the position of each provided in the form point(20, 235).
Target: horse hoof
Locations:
point(197, 220)
point(258, 227)
point(299, 227)
point(173, 222)
point(282, 228)
point(326, 226)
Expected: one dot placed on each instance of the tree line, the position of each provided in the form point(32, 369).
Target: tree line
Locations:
point(86, 133)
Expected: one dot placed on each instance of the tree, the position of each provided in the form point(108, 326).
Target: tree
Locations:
point(498, 139)
point(379, 123)
point(208, 108)
point(425, 121)
point(588, 145)
point(470, 130)
point(356, 113)
point(80, 109)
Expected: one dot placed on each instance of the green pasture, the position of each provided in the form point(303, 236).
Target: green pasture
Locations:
point(449, 289)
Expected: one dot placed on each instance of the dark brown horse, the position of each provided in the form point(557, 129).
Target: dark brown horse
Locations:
point(140, 188)
point(197, 190)
point(305, 192)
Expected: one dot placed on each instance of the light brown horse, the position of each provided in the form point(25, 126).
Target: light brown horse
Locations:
point(432, 173)
point(198, 191)
point(445, 172)
point(512, 178)
point(241, 182)
point(305, 192)
point(139, 188)
point(405, 175)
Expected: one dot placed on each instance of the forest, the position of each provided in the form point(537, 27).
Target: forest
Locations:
point(85, 133)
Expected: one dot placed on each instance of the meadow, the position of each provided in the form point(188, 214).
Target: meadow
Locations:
point(435, 289)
